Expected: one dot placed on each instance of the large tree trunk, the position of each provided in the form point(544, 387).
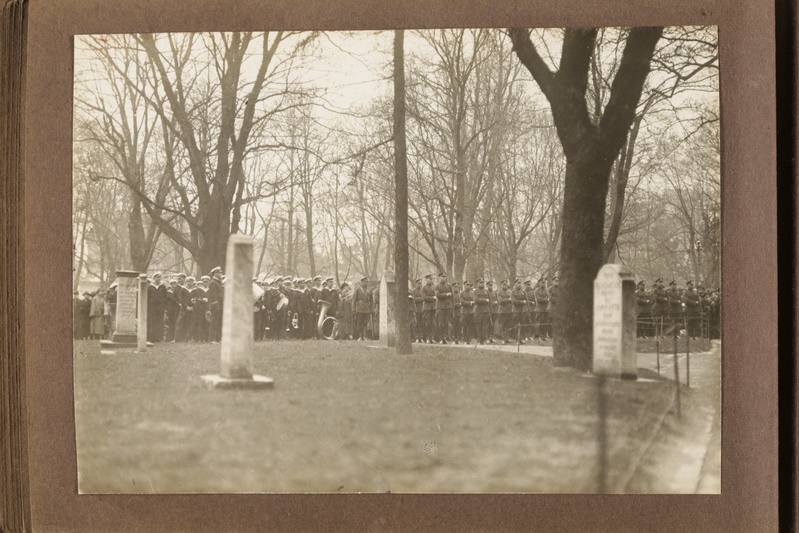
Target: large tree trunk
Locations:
point(590, 147)
point(582, 256)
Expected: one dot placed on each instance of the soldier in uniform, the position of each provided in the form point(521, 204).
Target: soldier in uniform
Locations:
point(344, 314)
point(644, 310)
point(418, 307)
point(519, 299)
point(290, 292)
point(362, 308)
point(660, 307)
point(156, 303)
point(675, 306)
point(542, 322)
point(443, 308)
point(199, 299)
point(482, 312)
point(84, 315)
point(455, 326)
point(714, 315)
point(505, 309)
point(529, 311)
point(216, 295)
point(467, 312)
point(171, 311)
point(692, 304)
point(185, 327)
point(305, 310)
point(496, 320)
point(429, 293)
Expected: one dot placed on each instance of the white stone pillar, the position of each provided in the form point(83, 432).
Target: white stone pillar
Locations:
point(237, 320)
point(614, 323)
point(387, 310)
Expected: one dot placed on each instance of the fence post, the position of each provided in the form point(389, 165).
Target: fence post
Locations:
point(677, 375)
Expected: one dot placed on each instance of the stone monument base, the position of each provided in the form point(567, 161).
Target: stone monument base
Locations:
point(215, 381)
point(115, 344)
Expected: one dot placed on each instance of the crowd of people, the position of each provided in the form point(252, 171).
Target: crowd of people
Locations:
point(189, 310)
point(662, 310)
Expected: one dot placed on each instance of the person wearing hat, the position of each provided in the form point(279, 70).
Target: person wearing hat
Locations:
point(496, 321)
point(362, 308)
point(528, 331)
point(455, 322)
point(184, 327)
point(429, 308)
point(693, 311)
point(675, 306)
point(418, 309)
point(216, 302)
point(344, 313)
point(83, 316)
point(467, 313)
point(110, 310)
point(660, 307)
point(156, 307)
point(171, 310)
point(283, 307)
point(199, 300)
point(443, 308)
point(505, 309)
point(304, 307)
point(643, 310)
point(482, 312)
point(520, 304)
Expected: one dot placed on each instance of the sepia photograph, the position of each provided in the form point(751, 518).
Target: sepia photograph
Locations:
point(480, 260)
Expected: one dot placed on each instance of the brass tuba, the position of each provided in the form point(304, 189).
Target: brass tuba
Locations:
point(327, 326)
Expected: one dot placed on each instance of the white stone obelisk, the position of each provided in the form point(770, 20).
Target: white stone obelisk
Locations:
point(387, 310)
point(237, 321)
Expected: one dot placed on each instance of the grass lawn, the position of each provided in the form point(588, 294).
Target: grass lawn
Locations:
point(347, 417)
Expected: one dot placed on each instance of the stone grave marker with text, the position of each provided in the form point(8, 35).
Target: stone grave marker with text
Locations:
point(387, 310)
point(237, 321)
point(125, 320)
point(614, 322)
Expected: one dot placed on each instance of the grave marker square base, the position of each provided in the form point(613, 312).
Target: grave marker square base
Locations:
point(216, 381)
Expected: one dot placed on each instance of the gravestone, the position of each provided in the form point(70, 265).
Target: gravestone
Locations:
point(237, 321)
point(387, 310)
point(125, 319)
point(614, 322)
point(141, 326)
point(125, 312)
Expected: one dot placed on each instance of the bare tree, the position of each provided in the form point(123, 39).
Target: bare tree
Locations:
point(590, 147)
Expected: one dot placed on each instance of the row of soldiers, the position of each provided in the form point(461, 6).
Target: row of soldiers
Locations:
point(448, 313)
point(286, 307)
point(660, 309)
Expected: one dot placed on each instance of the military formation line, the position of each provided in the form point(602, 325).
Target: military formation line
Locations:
point(189, 310)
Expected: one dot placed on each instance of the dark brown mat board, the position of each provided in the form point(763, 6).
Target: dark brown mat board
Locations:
point(749, 465)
